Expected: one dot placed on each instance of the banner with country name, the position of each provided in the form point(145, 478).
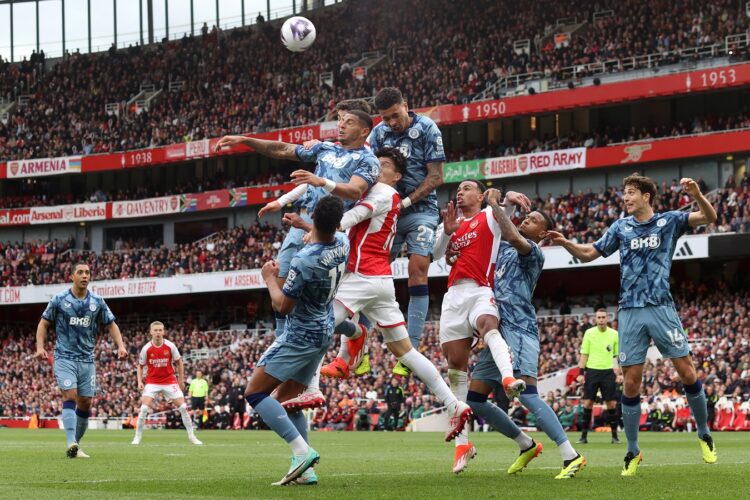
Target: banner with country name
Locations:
point(44, 166)
point(515, 166)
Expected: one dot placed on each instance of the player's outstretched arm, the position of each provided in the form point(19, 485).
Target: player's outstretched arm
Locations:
point(272, 149)
point(295, 220)
point(584, 253)
point(706, 213)
point(41, 338)
point(352, 190)
point(507, 228)
point(290, 197)
point(431, 182)
point(114, 332)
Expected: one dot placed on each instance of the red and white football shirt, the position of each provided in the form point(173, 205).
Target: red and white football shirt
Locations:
point(158, 361)
point(477, 240)
point(370, 241)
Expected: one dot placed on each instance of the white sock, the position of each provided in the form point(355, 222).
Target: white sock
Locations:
point(460, 387)
point(141, 420)
point(186, 418)
point(500, 353)
point(523, 440)
point(314, 385)
point(344, 349)
point(299, 446)
point(567, 451)
point(427, 373)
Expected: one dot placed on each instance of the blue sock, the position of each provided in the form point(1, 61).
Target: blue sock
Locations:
point(346, 328)
point(280, 324)
point(274, 415)
point(545, 417)
point(631, 421)
point(82, 423)
point(300, 423)
point(419, 301)
point(364, 320)
point(497, 418)
point(69, 421)
point(697, 401)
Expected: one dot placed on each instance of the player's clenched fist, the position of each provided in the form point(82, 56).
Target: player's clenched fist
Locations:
point(270, 270)
point(690, 187)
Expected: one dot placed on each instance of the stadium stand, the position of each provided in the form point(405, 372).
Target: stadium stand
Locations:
point(244, 84)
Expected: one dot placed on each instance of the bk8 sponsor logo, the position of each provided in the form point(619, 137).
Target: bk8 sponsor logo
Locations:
point(75, 321)
point(651, 242)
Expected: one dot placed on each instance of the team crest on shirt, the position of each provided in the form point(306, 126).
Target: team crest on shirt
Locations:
point(92, 307)
point(356, 156)
point(661, 222)
point(473, 224)
point(67, 382)
point(623, 357)
point(413, 133)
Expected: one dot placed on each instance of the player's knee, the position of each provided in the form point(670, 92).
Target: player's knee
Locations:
point(143, 411)
point(485, 323)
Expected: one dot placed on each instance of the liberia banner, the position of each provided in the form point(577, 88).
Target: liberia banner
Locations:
point(515, 166)
point(145, 208)
point(43, 166)
point(68, 213)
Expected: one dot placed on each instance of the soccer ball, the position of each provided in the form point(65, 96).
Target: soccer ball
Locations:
point(297, 34)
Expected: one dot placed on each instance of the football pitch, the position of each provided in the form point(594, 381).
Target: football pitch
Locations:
point(359, 465)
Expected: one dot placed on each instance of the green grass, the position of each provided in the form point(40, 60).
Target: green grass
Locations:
point(357, 465)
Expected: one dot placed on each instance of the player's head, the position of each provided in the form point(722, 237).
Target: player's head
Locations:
point(156, 329)
point(470, 195)
point(354, 127)
point(352, 105)
point(392, 165)
point(601, 318)
point(80, 273)
point(638, 193)
point(327, 215)
point(393, 109)
point(535, 226)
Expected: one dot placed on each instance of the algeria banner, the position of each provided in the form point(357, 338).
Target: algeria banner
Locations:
point(515, 166)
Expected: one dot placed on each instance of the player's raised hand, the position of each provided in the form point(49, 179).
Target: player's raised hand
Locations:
point(269, 270)
point(492, 196)
point(121, 352)
point(690, 187)
point(309, 144)
point(228, 141)
point(556, 237)
point(269, 208)
point(305, 177)
point(519, 199)
point(451, 221)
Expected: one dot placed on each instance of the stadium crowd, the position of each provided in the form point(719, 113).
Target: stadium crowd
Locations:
point(582, 216)
point(714, 315)
point(240, 81)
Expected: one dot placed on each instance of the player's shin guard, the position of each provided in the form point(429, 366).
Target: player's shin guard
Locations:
point(300, 423)
point(631, 419)
point(69, 421)
point(275, 417)
point(419, 301)
point(547, 421)
point(459, 381)
point(500, 352)
point(427, 373)
point(82, 423)
point(497, 418)
point(697, 401)
point(185, 418)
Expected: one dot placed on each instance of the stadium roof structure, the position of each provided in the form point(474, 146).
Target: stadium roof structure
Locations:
point(149, 29)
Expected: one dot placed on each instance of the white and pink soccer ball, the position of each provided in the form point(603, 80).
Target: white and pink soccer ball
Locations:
point(298, 34)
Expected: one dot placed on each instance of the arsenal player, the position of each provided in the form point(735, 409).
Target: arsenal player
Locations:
point(470, 243)
point(157, 357)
